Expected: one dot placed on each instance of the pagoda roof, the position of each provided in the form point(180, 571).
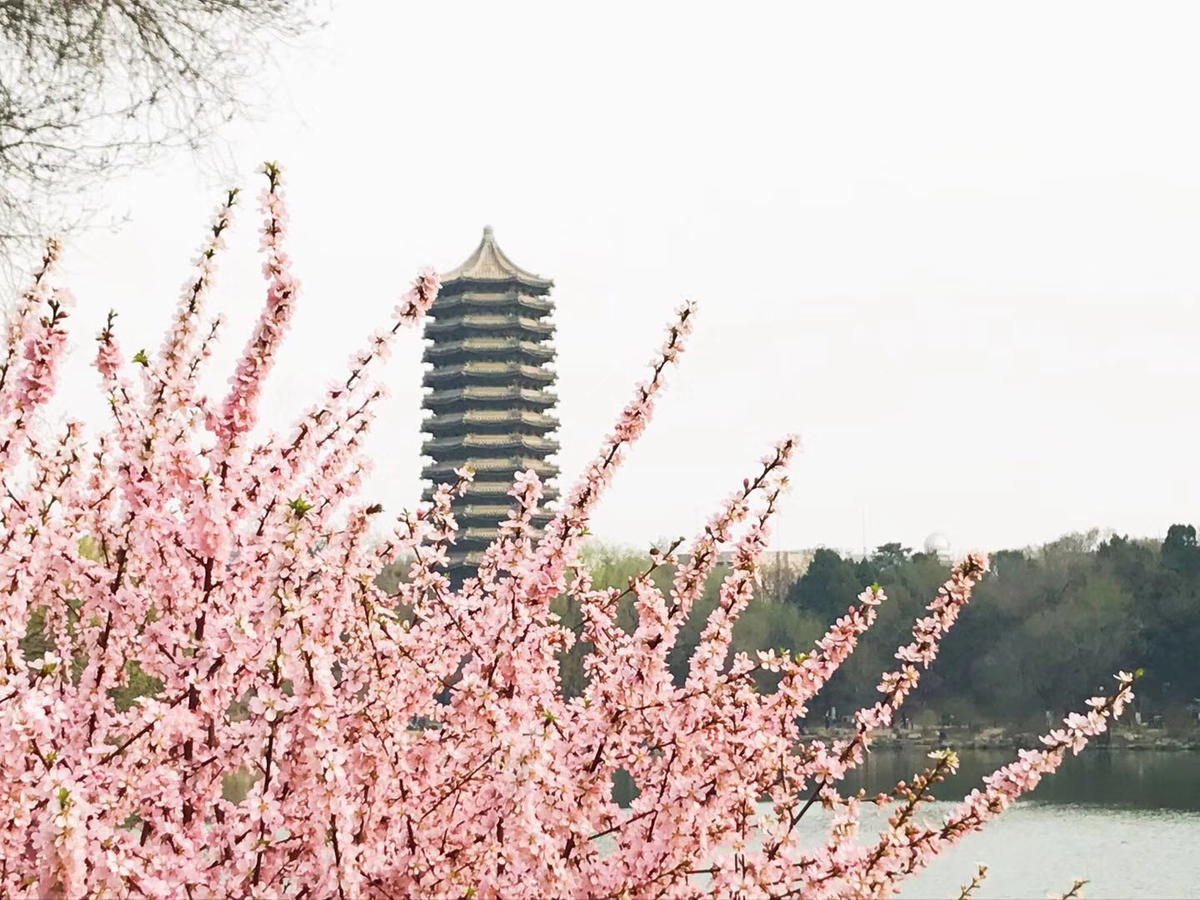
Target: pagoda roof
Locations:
point(495, 322)
point(476, 538)
point(487, 393)
point(489, 418)
point(485, 442)
point(496, 481)
point(497, 493)
point(476, 346)
point(507, 465)
point(490, 488)
point(485, 530)
point(485, 370)
point(448, 304)
point(487, 499)
point(474, 515)
point(489, 263)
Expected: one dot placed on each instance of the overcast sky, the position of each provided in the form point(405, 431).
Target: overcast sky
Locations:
point(953, 246)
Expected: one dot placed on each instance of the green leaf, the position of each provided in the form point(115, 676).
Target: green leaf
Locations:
point(141, 358)
point(300, 506)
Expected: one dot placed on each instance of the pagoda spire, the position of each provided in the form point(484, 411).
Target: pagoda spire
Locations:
point(490, 264)
point(489, 402)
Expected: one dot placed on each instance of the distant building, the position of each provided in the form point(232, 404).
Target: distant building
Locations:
point(938, 545)
point(489, 402)
point(781, 569)
point(778, 571)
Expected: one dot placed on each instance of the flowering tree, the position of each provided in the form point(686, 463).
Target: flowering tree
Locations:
point(230, 580)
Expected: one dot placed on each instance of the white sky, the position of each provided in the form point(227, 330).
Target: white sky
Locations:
point(952, 245)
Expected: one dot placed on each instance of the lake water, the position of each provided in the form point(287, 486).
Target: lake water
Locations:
point(1127, 821)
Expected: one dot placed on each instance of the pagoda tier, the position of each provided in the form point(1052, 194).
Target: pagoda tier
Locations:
point(504, 374)
point(474, 325)
point(491, 421)
point(497, 300)
point(488, 397)
point(492, 469)
point(488, 402)
point(497, 349)
point(467, 449)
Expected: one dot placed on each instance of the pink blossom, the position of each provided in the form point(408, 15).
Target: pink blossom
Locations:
point(413, 743)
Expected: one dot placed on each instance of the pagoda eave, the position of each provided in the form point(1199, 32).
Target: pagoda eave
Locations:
point(468, 324)
point(481, 444)
point(491, 420)
point(461, 375)
point(450, 399)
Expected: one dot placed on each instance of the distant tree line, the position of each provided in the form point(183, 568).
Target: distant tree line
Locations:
point(1045, 630)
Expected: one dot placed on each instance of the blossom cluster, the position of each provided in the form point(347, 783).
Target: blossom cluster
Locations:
point(205, 692)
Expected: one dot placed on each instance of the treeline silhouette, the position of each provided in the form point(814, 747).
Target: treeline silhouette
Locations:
point(1045, 630)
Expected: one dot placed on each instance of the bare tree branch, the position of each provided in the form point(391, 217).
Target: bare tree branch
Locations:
point(89, 88)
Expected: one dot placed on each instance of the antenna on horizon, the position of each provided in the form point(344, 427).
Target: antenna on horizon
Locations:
point(864, 531)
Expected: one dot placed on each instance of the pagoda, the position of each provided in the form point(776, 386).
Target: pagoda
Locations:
point(489, 402)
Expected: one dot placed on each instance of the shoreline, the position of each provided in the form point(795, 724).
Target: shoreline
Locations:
point(997, 738)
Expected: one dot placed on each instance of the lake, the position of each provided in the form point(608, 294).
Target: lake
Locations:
point(1128, 821)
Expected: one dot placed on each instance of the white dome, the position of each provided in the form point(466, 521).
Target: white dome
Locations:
point(937, 543)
